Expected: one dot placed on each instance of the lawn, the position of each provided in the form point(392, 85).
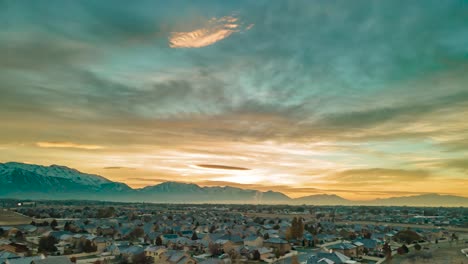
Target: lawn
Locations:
point(8, 218)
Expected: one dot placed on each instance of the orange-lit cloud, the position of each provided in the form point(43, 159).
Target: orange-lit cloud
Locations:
point(221, 167)
point(57, 144)
point(216, 29)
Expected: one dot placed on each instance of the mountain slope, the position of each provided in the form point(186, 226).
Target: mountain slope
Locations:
point(19, 180)
point(322, 199)
point(423, 200)
point(54, 182)
point(55, 171)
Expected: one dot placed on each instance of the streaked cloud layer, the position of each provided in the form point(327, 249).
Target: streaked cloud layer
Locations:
point(364, 99)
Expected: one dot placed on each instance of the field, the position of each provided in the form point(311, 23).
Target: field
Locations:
point(414, 226)
point(441, 253)
point(8, 218)
point(311, 217)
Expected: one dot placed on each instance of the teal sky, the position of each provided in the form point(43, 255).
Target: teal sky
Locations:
point(363, 99)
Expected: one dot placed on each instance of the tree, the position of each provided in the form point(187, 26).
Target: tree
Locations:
point(122, 260)
point(159, 241)
point(155, 227)
point(368, 235)
point(214, 249)
point(266, 236)
point(212, 228)
point(417, 247)
point(234, 256)
point(106, 212)
point(47, 244)
point(407, 236)
point(2, 232)
point(19, 235)
point(66, 227)
point(136, 233)
point(256, 255)
point(277, 253)
point(403, 250)
point(194, 236)
point(73, 259)
point(387, 250)
point(88, 247)
point(53, 224)
point(141, 258)
point(453, 237)
point(296, 230)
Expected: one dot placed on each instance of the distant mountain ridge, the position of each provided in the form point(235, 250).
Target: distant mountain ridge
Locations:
point(28, 181)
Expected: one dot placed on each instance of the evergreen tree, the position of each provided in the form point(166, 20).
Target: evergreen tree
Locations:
point(159, 241)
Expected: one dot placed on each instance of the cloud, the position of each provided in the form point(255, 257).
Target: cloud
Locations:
point(460, 164)
point(38, 53)
point(64, 144)
point(221, 167)
point(373, 176)
point(216, 29)
point(117, 168)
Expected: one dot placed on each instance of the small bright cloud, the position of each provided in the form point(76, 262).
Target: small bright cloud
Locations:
point(55, 144)
point(215, 30)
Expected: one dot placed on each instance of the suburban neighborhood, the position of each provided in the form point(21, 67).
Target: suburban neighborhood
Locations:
point(83, 232)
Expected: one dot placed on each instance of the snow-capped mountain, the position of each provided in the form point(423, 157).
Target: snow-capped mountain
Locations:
point(27, 181)
point(55, 171)
point(54, 182)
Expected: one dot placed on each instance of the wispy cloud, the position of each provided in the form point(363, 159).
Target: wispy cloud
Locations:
point(117, 168)
point(216, 29)
point(221, 167)
point(64, 144)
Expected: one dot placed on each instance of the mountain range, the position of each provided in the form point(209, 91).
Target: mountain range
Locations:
point(28, 181)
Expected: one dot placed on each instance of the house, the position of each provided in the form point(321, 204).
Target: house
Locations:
point(16, 248)
point(329, 258)
point(154, 251)
point(101, 243)
point(265, 253)
point(368, 244)
point(113, 250)
point(225, 244)
point(253, 241)
point(175, 257)
point(129, 252)
point(325, 238)
point(345, 248)
point(105, 230)
point(235, 239)
point(277, 243)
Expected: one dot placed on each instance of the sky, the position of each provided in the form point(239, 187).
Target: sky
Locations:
point(363, 99)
